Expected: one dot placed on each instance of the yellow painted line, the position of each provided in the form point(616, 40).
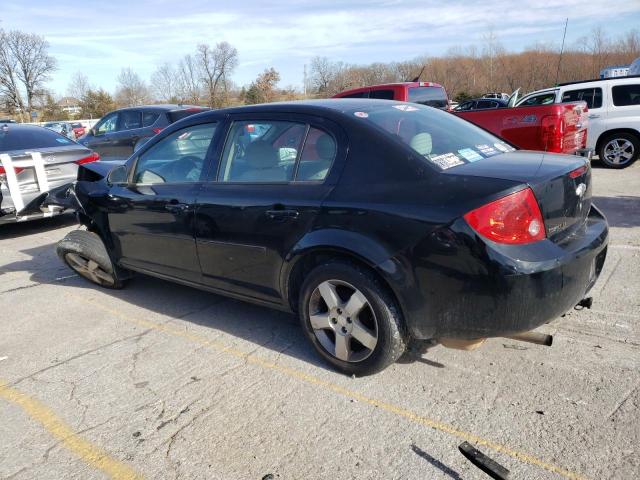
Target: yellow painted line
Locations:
point(89, 453)
point(313, 380)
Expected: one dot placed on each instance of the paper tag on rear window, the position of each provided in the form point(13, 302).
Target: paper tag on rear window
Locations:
point(446, 160)
point(487, 150)
point(470, 154)
point(406, 108)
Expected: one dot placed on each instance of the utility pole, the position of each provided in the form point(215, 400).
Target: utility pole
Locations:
point(304, 85)
point(564, 35)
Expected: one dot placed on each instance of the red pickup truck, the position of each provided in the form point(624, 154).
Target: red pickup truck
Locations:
point(558, 128)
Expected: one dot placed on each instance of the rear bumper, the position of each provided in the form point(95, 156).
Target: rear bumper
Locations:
point(471, 288)
point(584, 152)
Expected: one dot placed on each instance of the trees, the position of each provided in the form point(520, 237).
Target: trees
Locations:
point(25, 66)
point(51, 110)
point(131, 90)
point(165, 84)
point(215, 66)
point(95, 103)
point(263, 88)
point(78, 86)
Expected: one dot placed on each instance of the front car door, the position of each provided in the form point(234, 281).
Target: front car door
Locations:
point(127, 134)
point(151, 218)
point(273, 174)
point(101, 138)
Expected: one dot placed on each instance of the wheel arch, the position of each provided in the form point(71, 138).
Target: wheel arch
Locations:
point(613, 131)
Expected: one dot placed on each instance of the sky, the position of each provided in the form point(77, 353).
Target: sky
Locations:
point(99, 38)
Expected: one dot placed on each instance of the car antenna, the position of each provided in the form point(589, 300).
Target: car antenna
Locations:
point(564, 35)
point(417, 79)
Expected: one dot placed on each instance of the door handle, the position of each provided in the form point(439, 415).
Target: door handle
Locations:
point(175, 207)
point(594, 115)
point(284, 213)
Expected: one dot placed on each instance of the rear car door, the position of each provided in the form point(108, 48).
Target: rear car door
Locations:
point(597, 105)
point(151, 218)
point(273, 174)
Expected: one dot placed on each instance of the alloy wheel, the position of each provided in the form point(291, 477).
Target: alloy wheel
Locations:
point(89, 269)
point(343, 321)
point(618, 151)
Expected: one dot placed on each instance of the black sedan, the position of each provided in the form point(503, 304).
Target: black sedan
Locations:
point(378, 222)
point(482, 104)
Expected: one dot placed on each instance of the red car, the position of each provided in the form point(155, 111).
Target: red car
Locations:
point(78, 129)
point(425, 93)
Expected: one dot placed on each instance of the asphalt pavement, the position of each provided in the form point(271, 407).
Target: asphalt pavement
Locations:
point(163, 381)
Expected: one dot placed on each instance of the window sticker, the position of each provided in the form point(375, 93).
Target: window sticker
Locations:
point(361, 114)
point(470, 154)
point(446, 160)
point(63, 140)
point(487, 150)
point(406, 108)
point(502, 147)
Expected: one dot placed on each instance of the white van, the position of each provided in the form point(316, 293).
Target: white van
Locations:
point(614, 115)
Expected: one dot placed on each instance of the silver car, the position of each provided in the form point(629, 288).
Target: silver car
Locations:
point(33, 162)
point(63, 128)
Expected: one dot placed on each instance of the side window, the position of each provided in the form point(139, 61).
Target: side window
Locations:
point(262, 151)
point(624, 95)
point(542, 99)
point(149, 118)
point(178, 158)
point(317, 156)
point(485, 104)
point(107, 124)
point(364, 94)
point(465, 106)
point(593, 97)
point(381, 94)
point(130, 119)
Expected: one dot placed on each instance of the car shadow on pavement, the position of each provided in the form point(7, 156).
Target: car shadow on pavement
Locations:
point(33, 227)
point(276, 330)
point(622, 211)
point(449, 472)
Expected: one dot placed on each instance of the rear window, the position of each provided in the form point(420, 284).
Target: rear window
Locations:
point(442, 139)
point(624, 95)
point(13, 138)
point(381, 94)
point(176, 115)
point(364, 94)
point(593, 96)
point(430, 96)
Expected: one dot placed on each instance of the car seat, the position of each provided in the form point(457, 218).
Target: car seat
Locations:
point(262, 164)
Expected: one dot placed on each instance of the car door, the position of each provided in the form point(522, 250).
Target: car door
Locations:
point(264, 197)
point(101, 139)
point(127, 134)
point(151, 217)
point(595, 97)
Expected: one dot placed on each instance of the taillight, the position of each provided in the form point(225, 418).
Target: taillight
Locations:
point(514, 219)
point(156, 130)
point(94, 157)
point(552, 133)
point(15, 169)
point(578, 172)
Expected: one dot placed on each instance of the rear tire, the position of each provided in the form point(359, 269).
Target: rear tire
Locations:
point(360, 330)
point(85, 253)
point(619, 150)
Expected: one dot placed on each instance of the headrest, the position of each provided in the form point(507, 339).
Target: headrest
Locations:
point(260, 154)
point(421, 143)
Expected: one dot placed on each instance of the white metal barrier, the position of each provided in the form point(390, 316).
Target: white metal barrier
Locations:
point(37, 163)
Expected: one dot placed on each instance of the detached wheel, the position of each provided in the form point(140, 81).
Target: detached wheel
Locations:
point(85, 253)
point(619, 150)
point(351, 319)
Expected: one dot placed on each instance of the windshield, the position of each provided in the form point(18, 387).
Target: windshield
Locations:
point(441, 138)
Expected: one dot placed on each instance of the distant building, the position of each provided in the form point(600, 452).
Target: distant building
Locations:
point(634, 68)
point(615, 71)
point(70, 105)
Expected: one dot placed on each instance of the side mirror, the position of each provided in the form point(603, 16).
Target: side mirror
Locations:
point(118, 176)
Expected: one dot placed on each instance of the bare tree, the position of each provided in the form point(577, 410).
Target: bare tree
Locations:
point(78, 86)
point(9, 84)
point(165, 84)
point(322, 73)
point(189, 80)
point(215, 65)
point(131, 90)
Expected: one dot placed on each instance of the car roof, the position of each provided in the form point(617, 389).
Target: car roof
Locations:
point(599, 80)
point(166, 107)
point(390, 85)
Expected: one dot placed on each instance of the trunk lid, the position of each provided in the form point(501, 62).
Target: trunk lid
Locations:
point(561, 184)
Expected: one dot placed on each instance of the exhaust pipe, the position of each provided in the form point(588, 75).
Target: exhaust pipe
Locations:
point(533, 337)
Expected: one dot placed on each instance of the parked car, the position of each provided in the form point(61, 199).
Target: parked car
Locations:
point(424, 93)
point(26, 177)
point(78, 129)
point(118, 134)
point(7, 120)
point(499, 96)
point(481, 104)
point(614, 115)
point(63, 128)
point(552, 128)
point(378, 222)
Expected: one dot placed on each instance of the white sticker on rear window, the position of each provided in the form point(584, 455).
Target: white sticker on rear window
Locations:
point(446, 160)
point(487, 150)
point(406, 108)
point(470, 154)
point(361, 114)
point(502, 147)
point(63, 140)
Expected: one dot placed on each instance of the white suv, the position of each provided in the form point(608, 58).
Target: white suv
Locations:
point(614, 115)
